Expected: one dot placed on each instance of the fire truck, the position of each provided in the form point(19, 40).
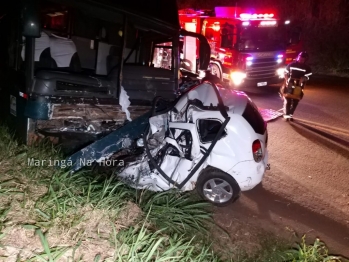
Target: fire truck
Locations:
point(294, 40)
point(247, 48)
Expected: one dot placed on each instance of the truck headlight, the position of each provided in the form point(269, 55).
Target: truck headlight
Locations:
point(237, 77)
point(280, 72)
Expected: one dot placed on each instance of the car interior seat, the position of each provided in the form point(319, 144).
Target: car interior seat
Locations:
point(64, 52)
point(42, 54)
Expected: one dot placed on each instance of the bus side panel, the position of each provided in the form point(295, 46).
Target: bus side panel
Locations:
point(13, 105)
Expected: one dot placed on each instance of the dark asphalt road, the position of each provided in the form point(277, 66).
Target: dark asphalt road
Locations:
point(307, 188)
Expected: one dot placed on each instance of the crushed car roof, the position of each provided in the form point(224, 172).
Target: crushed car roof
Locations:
point(235, 101)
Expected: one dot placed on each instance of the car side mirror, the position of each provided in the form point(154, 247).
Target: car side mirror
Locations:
point(31, 21)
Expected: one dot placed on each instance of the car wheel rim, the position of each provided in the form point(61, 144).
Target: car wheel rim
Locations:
point(217, 190)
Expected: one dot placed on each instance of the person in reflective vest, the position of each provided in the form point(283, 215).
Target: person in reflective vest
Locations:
point(296, 75)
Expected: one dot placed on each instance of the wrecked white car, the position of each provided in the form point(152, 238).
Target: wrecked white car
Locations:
point(212, 139)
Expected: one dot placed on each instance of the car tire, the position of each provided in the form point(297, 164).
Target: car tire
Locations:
point(226, 189)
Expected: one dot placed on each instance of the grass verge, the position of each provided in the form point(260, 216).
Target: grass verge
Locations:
point(49, 214)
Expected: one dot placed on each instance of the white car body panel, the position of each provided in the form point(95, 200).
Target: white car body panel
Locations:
point(232, 153)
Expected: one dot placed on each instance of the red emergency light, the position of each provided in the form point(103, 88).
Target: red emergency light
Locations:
point(247, 16)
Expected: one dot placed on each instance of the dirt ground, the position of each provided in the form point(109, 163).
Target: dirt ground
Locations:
point(252, 215)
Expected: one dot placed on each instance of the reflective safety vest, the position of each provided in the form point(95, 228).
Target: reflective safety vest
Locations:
point(297, 70)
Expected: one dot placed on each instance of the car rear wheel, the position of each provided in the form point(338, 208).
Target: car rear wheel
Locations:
point(217, 187)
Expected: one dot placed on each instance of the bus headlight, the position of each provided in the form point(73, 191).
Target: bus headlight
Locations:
point(237, 77)
point(280, 72)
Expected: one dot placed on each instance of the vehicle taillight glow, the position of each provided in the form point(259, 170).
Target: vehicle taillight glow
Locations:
point(245, 23)
point(25, 96)
point(257, 150)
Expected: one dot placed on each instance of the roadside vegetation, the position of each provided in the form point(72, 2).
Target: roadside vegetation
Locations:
point(50, 214)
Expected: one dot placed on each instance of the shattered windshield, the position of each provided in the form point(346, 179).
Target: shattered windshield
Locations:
point(261, 38)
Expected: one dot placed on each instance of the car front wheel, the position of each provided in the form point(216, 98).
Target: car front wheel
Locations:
point(217, 187)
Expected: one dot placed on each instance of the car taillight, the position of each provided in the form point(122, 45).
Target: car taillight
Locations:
point(257, 151)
